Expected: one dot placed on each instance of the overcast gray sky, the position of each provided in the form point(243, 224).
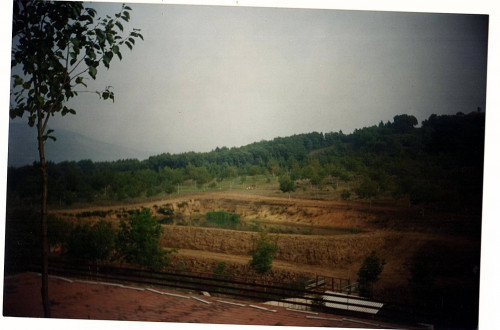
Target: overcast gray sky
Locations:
point(208, 76)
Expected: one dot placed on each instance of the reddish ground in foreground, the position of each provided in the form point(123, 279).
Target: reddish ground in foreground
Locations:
point(80, 300)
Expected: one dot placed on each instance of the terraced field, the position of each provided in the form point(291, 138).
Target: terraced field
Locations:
point(315, 237)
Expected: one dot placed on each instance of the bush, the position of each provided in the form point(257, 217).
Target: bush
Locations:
point(369, 273)
point(92, 243)
point(222, 218)
point(220, 271)
point(286, 184)
point(263, 253)
point(345, 195)
point(59, 231)
point(139, 241)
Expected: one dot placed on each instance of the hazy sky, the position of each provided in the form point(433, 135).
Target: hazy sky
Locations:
point(208, 76)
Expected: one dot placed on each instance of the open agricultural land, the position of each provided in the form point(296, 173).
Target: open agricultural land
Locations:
point(410, 194)
point(315, 237)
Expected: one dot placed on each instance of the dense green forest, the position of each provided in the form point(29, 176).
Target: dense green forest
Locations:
point(437, 164)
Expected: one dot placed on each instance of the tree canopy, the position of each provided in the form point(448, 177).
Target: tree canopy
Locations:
point(438, 164)
point(56, 46)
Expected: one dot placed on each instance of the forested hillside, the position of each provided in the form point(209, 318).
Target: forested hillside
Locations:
point(437, 163)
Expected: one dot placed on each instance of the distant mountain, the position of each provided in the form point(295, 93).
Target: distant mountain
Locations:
point(70, 146)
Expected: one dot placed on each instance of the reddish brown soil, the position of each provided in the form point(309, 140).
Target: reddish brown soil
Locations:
point(79, 300)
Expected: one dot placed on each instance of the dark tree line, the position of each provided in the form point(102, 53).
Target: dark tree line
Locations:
point(438, 163)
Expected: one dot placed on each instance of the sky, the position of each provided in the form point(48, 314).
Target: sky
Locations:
point(213, 76)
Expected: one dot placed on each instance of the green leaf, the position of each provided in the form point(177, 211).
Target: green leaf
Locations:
point(110, 38)
point(40, 99)
point(79, 80)
point(18, 80)
point(129, 45)
point(115, 49)
point(120, 26)
point(106, 61)
point(75, 42)
point(126, 16)
point(31, 120)
point(92, 72)
point(100, 35)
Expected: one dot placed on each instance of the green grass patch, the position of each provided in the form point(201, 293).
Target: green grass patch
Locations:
point(222, 218)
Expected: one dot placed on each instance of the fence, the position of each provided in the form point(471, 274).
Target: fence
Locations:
point(301, 296)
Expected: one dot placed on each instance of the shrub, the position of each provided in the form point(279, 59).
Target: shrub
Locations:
point(369, 273)
point(220, 271)
point(92, 243)
point(166, 211)
point(139, 241)
point(345, 194)
point(286, 184)
point(222, 218)
point(58, 230)
point(263, 253)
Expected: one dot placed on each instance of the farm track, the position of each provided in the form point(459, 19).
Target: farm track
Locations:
point(234, 196)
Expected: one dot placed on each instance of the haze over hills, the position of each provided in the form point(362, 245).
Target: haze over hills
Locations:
point(70, 146)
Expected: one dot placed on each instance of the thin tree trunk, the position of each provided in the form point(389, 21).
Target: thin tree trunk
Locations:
point(43, 222)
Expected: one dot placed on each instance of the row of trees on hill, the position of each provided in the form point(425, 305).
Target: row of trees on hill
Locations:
point(439, 162)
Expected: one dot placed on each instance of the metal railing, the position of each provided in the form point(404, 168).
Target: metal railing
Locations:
point(290, 295)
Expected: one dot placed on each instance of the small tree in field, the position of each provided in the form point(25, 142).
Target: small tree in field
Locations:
point(369, 273)
point(286, 184)
point(56, 46)
point(139, 241)
point(367, 189)
point(263, 253)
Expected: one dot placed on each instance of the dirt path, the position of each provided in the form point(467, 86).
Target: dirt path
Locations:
point(236, 196)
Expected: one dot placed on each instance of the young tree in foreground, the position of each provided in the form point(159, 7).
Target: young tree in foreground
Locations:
point(58, 45)
point(369, 273)
point(263, 253)
point(139, 241)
